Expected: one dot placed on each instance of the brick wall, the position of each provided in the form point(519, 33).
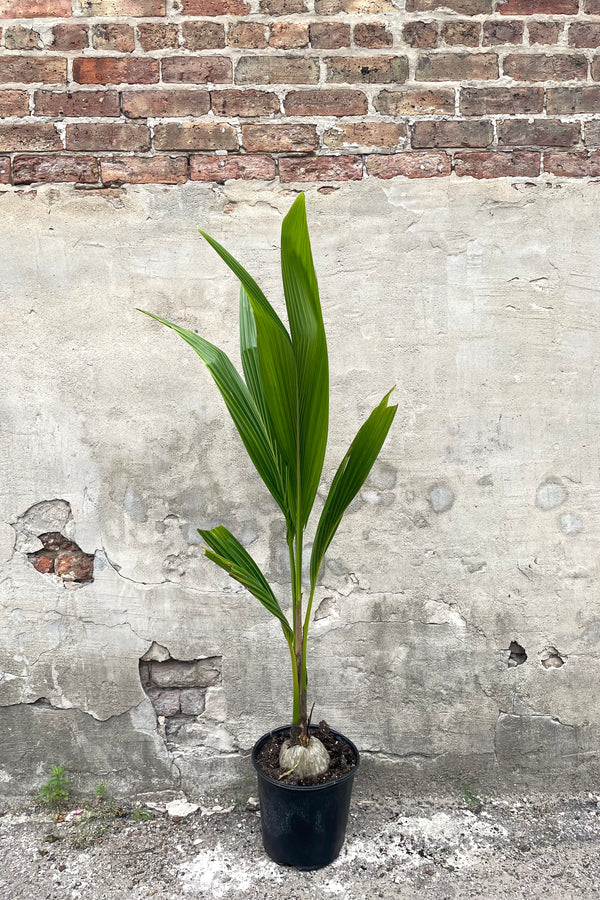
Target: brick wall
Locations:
point(127, 91)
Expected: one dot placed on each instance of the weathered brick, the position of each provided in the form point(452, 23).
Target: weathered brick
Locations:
point(144, 170)
point(596, 68)
point(282, 7)
point(543, 7)
point(157, 36)
point(195, 136)
point(288, 36)
point(420, 34)
point(367, 69)
point(247, 34)
point(166, 703)
point(178, 674)
point(463, 33)
point(4, 170)
point(197, 69)
point(192, 702)
point(64, 104)
point(320, 168)
point(505, 32)
point(69, 37)
point(13, 103)
point(592, 134)
point(365, 135)
point(452, 134)
point(29, 169)
point(276, 70)
point(513, 164)
point(544, 32)
point(538, 133)
point(17, 37)
point(279, 138)
point(41, 136)
point(409, 165)
point(592, 7)
point(565, 101)
point(42, 561)
point(582, 35)
point(545, 67)
point(457, 67)
point(75, 566)
point(579, 164)
point(325, 103)
point(329, 35)
point(34, 9)
point(28, 70)
point(244, 103)
point(466, 7)
point(224, 168)
point(501, 101)
point(157, 104)
point(107, 136)
point(133, 8)
point(203, 35)
point(373, 35)
point(357, 7)
point(115, 70)
point(415, 102)
point(110, 36)
point(215, 7)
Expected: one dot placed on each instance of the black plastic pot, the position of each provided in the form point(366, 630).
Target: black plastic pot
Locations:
point(302, 826)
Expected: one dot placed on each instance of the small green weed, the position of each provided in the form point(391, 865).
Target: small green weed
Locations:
point(101, 791)
point(472, 801)
point(141, 815)
point(57, 790)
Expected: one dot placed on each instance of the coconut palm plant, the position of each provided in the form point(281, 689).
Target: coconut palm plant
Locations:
point(281, 411)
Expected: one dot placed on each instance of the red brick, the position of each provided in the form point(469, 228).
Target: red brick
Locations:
point(133, 8)
point(159, 104)
point(415, 102)
point(28, 70)
point(463, 33)
point(113, 37)
point(420, 34)
point(592, 133)
point(543, 7)
point(515, 164)
point(105, 136)
point(362, 7)
point(282, 7)
point(544, 32)
point(320, 168)
point(288, 36)
point(573, 165)
point(276, 70)
point(195, 136)
point(279, 138)
point(197, 70)
point(157, 35)
point(565, 101)
point(115, 70)
point(452, 134)
point(457, 67)
point(17, 37)
point(144, 170)
point(409, 165)
point(581, 35)
point(224, 168)
point(373, 35)
point(215, 7)
point(543, 67)
point(356, 135)
point(203, 35)
point(69, 37)
point(244, 103)
point(82, 169)
point(367, 69)
point(29, 137)
point(325, 103)
point(34, 9)
point(42, 562)
point(596, 68)
point(466, 7)
point(75, 566)
point(67, 104)
point(592, 7)
point(502, 33)
point(250, 35)
point(329, 35)
point(13, 103)
point(538, 133)
point(4, 170)
point(501, 101)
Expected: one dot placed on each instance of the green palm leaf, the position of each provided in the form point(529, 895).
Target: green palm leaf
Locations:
point(349, 479)
point(227, 552)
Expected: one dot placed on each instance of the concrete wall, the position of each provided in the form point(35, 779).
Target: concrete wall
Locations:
point(477, 530)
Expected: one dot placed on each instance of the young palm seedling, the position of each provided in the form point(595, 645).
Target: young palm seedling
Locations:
point(281, 411)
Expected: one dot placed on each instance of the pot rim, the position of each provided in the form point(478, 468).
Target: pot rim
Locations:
point(304, 787)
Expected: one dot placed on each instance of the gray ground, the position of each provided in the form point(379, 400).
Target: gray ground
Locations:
point(401, 842)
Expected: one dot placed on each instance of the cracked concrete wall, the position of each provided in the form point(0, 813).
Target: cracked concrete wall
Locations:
point(474, 543)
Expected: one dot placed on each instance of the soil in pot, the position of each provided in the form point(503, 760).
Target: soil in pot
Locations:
point(342, 758)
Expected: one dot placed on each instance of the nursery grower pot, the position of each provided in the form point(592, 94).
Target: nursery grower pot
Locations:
point(303, 825)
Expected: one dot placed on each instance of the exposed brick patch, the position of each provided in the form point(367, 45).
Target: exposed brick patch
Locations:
point(373, 35)
point(497, 165)
point(69, 37)
point(452, 134)
point(34, 9)
point(110, 36)
point(282, 7)
point(276, 70)
point(144, 170)
point(544, 32)
point(325, 103)
point(503, 32)
point(13, 103)
point(544, 67)
point(365, 135)
point(367, 69)
point(501, 101)
point(115, 70)
point(224, 168)
point(581, 35)
point(156, 104)
point(569, 101)
point(204, 36)
point(466, 7)
point(329, 35)
point(197, 69)
point(466, 34)
point(412, 102)
point(61, 104)
point(30, 169)
point(247, 34)
point(321, 168)
point(28, 70)
point(538, 133)
point(538, 7)
point(409, 165)
point(4, 170)
point(17, 37)
point(107, 136)
point(573, 165)
point(286, 36)
point(279, 138)
point(40, 136)
point(59, 555)
point(132, 8)
point(244, 103)
point(420, 34)
point(214, 7)
point(157, 36)
point(359, 7)
point(457, 67)
point(195, 136)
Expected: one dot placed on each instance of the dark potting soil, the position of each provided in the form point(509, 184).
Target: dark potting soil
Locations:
point(341, 757)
